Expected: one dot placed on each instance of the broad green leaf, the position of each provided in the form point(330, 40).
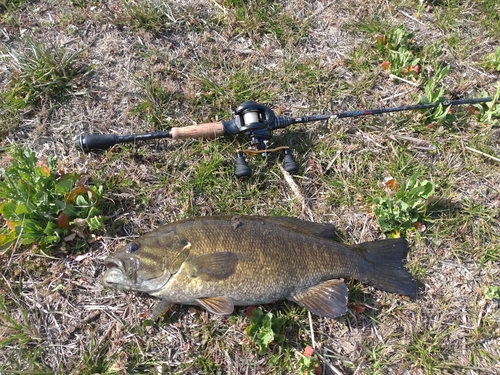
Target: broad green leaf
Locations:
point(7, 238)
point(64, 186)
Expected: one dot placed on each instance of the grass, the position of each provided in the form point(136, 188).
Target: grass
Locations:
point(122, 67)
point(9, 6)
point(157, 104)
point(39, 75)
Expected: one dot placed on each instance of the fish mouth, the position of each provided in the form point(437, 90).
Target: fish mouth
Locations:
point(114, 263)
point(116, 276)
point(126, 275)
point(119, 266)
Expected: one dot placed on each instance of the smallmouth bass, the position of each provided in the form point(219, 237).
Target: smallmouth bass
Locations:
point(220, 262)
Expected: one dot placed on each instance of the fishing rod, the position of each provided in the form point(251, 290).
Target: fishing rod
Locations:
point(255, 120)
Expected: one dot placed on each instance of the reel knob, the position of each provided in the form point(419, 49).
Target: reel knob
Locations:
point(288, 162)
point(242, 169)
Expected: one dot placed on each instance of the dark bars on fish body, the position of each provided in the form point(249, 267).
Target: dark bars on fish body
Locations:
point(216, 129)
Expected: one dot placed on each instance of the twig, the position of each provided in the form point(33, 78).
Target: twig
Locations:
point(313, 342)
point(392, 76)
point(296, 190)
point(327, 363)
point(315, 14)
point(395, 96)
point(480, 72)
point(411, 17)
point(219, 6)
point(482, 153)
point(69, 331)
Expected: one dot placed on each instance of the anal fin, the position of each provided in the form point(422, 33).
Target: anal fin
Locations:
point(161, 308)
point(217, 305)
point(328, 299)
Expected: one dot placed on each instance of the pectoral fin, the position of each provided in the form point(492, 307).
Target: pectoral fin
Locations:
point(213, 267)
point(328, 299)
point(217, 305)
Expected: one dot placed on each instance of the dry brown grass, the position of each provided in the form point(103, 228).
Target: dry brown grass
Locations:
point(309, 57)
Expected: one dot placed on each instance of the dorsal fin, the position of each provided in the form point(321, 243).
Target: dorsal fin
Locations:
point(325, 231)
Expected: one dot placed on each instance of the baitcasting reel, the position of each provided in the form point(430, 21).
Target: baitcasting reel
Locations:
point(258, 121)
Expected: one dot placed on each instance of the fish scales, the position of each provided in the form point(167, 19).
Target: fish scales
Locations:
point(221, 262)
point(290, 268)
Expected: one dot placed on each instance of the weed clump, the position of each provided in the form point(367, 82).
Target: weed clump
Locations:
point(265, 328)
point(39, 74)
point(42, 206)
point(403, 211)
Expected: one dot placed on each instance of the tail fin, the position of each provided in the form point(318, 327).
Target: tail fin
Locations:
point(384, 266)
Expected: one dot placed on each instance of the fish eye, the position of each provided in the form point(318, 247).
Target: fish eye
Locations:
point(133, 246)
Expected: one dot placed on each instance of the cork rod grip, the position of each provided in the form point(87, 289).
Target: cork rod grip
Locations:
point(207, 130)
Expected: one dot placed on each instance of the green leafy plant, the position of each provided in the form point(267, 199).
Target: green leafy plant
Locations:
point(434, 92)
point(489, 113)
point(308, 363)
point(265, 328)
point(41, 206)
point(492, 61)
point(400, 50)
point(405, 209)
point(491, 292)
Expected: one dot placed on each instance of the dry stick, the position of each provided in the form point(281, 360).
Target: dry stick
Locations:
point(327, 363)
point(298, 194)
point(313, 342)
point(395, 96)
point(315, 14)
point(482, 153)
point(69, 331)
point(296, 190)
point(393, 76)
point(411, 17)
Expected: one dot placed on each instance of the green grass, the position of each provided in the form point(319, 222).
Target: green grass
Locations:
point(256, 18)
point(20, 338)
point(158, 103)
point(429, 352)
point(489, 17)
point(40, 75)
point(10, 6)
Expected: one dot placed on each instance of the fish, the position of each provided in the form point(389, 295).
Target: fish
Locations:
point(219, 262)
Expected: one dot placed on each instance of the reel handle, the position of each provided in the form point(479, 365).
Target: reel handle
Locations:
point(206, 130)
point(104, 141)
point(96, 141)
